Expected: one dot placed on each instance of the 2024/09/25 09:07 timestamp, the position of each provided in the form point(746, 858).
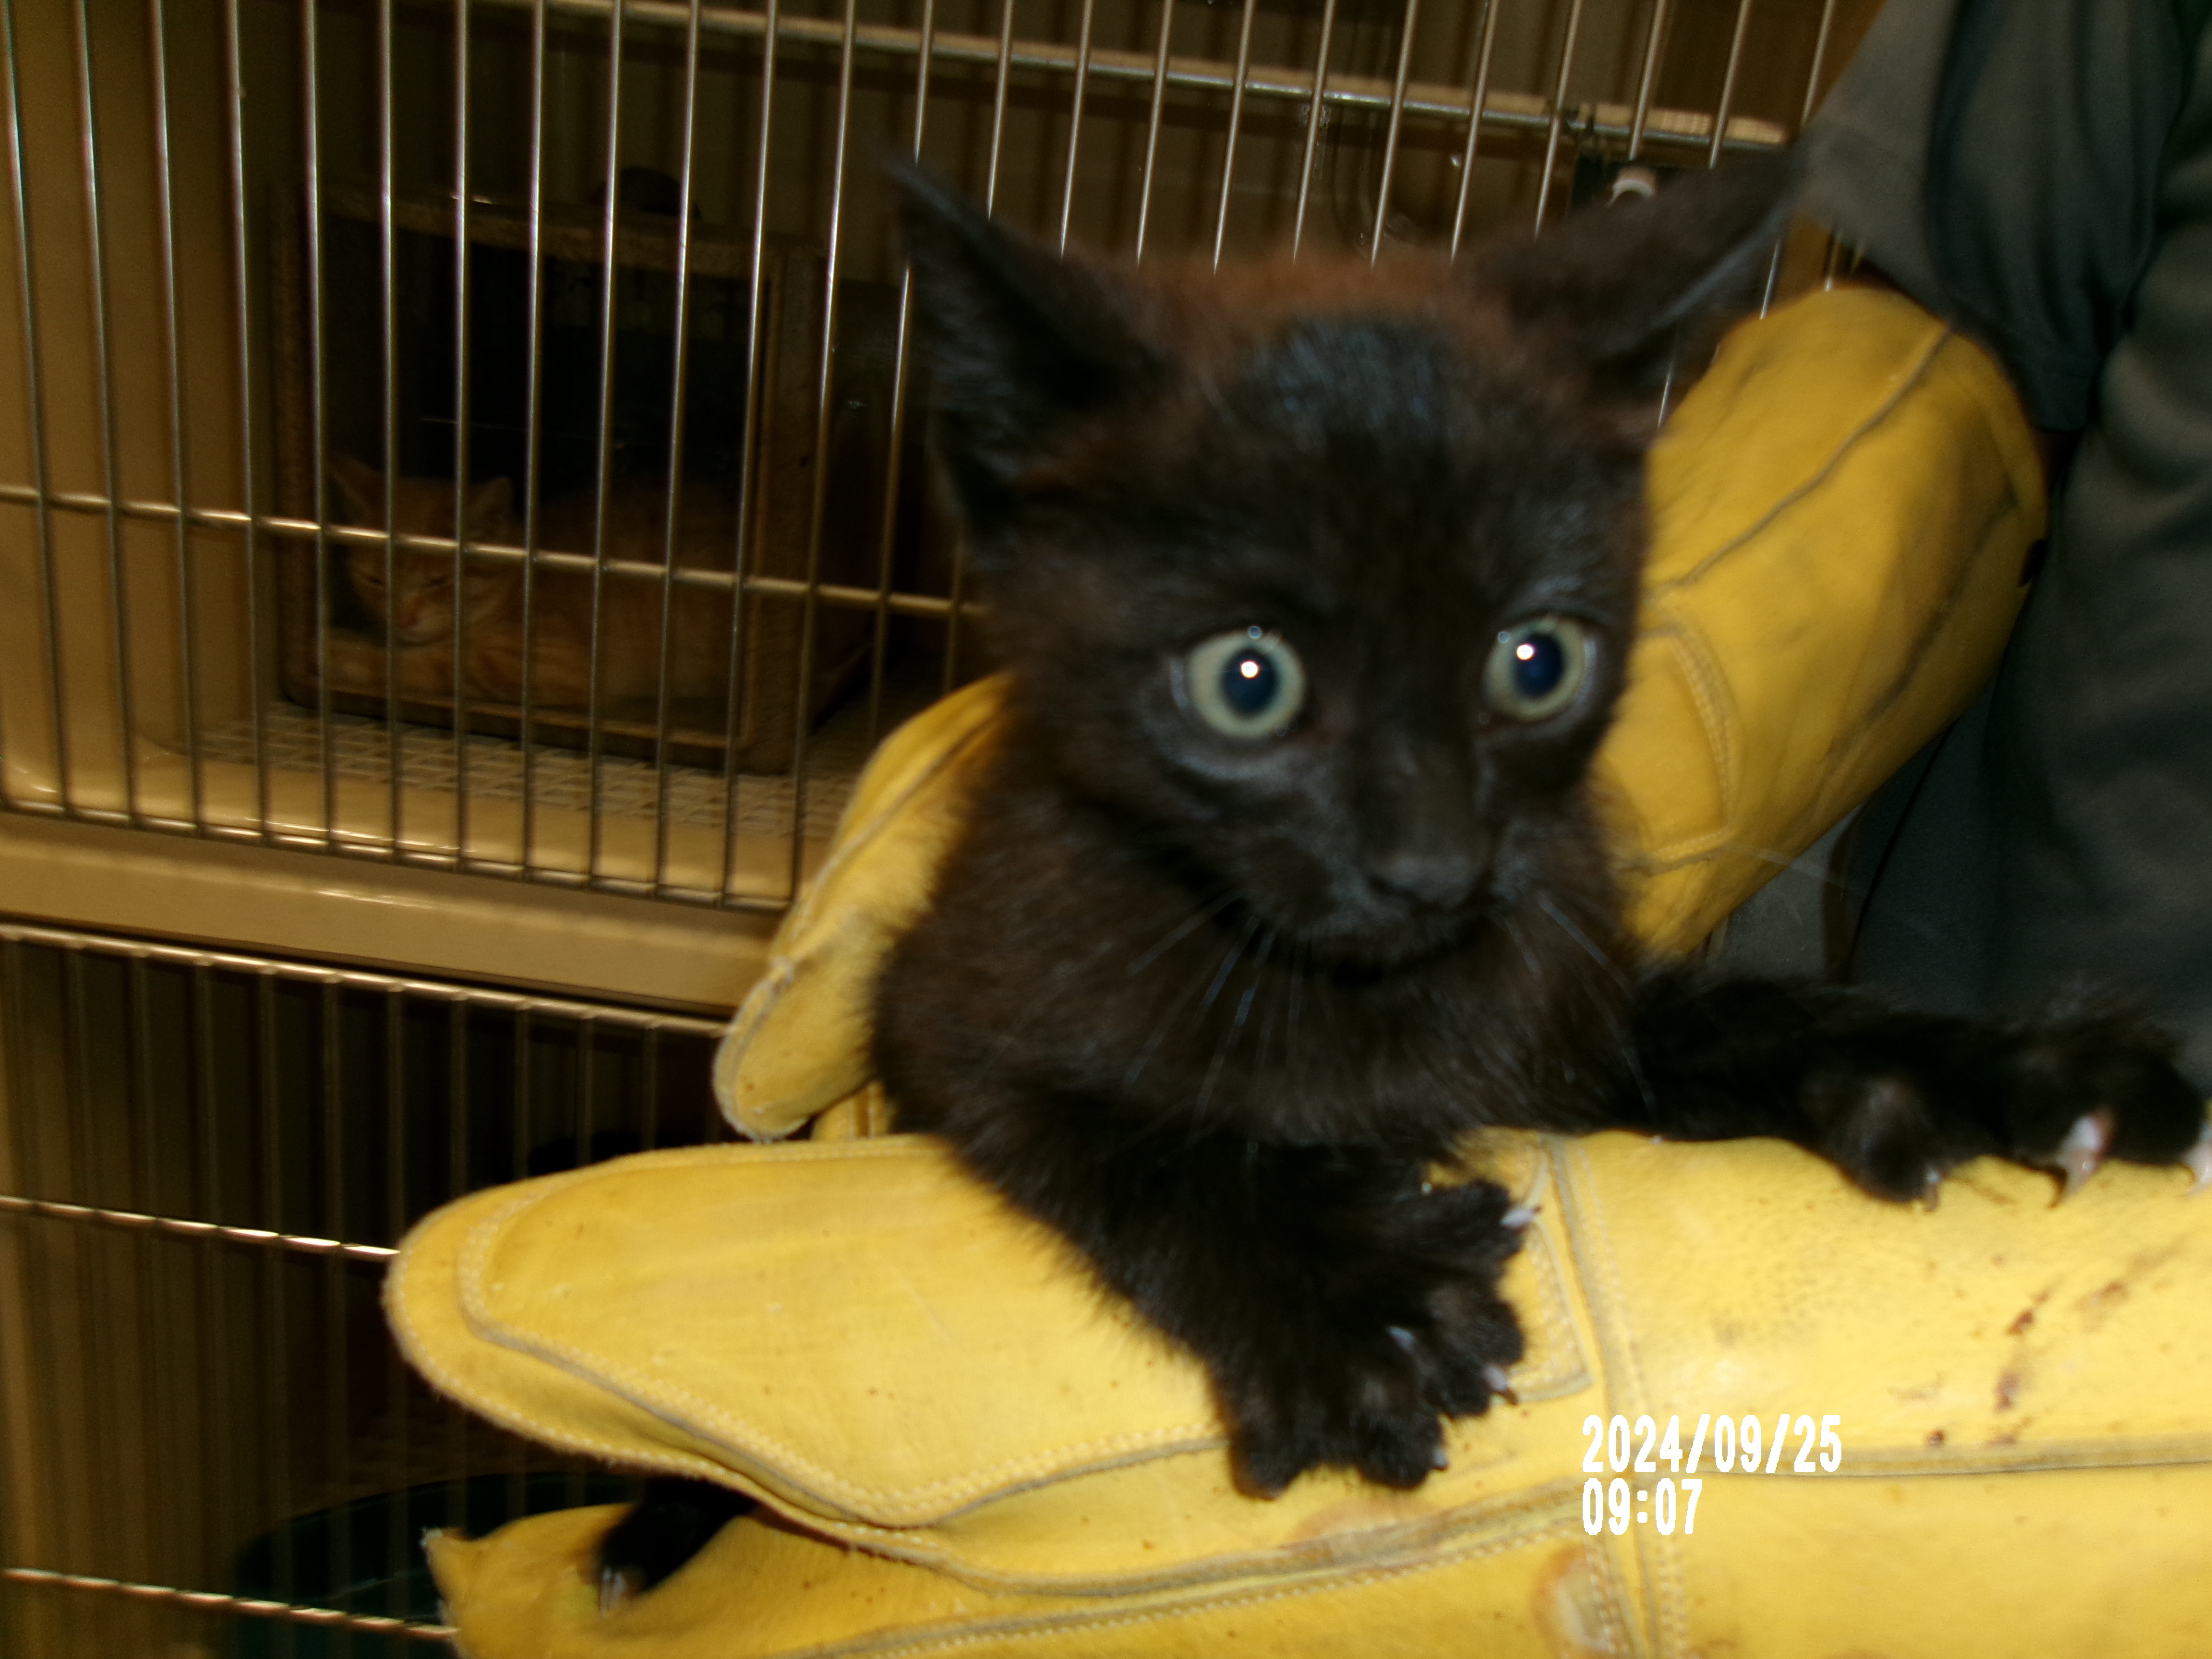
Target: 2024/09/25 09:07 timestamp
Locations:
point(1736, 1444)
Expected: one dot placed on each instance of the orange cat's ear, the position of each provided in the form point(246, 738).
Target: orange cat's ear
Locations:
point(361, 490)
point(491, 509)
point(1612, 283)
point(1020, 341)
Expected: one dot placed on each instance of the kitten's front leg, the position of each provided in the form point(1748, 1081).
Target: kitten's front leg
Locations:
point(1895, 1098)
point(1341, 1303)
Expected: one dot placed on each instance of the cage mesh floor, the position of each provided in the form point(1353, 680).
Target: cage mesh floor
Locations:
point(294, 740)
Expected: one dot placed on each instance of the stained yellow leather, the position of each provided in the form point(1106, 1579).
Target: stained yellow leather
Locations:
point(967, 1448)
point(1840, 511)
point(964, 1446)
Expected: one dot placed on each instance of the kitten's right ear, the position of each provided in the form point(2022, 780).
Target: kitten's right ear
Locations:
point(361, 489)
point(1612, 283)
point(1020, 343)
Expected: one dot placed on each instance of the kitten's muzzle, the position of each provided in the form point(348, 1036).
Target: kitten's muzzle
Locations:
point(428, 631)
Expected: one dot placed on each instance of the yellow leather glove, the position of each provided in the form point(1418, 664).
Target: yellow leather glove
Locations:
point(964, 1448)
point(967, 1450)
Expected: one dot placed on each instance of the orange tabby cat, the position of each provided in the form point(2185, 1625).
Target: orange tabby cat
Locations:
point(418, 606)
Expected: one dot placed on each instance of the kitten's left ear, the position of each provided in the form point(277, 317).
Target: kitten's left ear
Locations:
point(1612, 283)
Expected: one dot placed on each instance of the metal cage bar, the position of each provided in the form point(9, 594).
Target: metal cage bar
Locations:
point(35, 401)
point(173, 375)
point(103, 382)
point(462, 496)
point(673, 508)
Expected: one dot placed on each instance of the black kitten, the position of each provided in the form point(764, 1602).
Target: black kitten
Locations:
point(1317, 583)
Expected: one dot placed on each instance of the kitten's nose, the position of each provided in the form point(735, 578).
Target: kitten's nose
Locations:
point(1434, 878)
point(1426, 844)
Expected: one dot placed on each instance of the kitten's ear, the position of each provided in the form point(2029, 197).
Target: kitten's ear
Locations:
point(1613, 283)
point(1020, 343)
point(490, 506)
point(361, 490)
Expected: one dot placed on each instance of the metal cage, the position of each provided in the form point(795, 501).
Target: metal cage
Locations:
point(631, 258)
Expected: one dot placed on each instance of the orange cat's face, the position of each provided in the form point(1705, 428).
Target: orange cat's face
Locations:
point(417, 603)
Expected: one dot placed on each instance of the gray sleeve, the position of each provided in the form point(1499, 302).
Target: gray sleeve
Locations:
point(1868, 149)
point(1999, 159)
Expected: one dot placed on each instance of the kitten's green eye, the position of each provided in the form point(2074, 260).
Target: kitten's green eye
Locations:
point(1537, 667)
point(1248, 683)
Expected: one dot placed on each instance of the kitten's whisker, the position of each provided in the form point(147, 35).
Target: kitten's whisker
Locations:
point(1222, 1043)
point(1167, 1023)
point(1274, 983)
point(1259, 977)
point(1512, 922)
point(1635, 1063)
point(1228, 963)
point(1204, 912)
point(1566, 923)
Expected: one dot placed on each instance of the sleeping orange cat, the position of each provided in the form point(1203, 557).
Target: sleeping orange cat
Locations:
point(417, 603)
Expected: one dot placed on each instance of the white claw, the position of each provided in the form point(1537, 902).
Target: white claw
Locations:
point(1439, 1460)
point(1517, 1217)
point(2083, 1149)
point(617, 1590)
point(1403, 1337)
point(1500, 1384)
point(2198, 1158)
point(1931, 1189)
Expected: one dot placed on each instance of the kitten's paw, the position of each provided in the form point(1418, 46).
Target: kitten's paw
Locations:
point(1882, 1131)
point(353, 663)
point(1414, 1332)
point(2087, 1086)
point(2063, 1093)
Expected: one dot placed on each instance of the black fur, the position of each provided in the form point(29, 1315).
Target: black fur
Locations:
point(1216, 1007)
point(673, 1522)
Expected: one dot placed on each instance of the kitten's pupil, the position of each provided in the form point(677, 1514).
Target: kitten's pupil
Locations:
point(1538, 665)
point(1250, 684)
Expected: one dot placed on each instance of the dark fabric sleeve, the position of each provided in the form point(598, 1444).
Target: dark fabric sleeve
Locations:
point(2100, 756)
point(2060, 837)
point(1868, 149)
point(1999, 159)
